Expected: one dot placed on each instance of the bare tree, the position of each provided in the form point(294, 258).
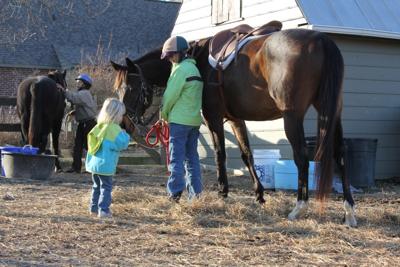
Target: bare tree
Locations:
point(21, 20)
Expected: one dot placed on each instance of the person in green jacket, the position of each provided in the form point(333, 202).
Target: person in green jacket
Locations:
point(181, 106)
point(105, 141)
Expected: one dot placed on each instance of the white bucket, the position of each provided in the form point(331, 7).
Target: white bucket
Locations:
point(264, 162)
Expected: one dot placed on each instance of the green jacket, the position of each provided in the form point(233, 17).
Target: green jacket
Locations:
point(182, 99)
point(105, 142)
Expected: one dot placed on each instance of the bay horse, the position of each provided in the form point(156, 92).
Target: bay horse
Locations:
point(274, 76)
point(40, 107)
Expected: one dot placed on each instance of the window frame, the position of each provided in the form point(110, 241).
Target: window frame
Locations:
point(224, 17)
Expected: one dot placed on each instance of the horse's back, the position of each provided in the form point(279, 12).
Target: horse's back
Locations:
point(294, 59)
point(44, 93)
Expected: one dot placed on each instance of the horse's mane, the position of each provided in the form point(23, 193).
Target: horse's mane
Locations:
point(119, 79)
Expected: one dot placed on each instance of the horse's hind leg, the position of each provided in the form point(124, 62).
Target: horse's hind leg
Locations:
point(295, 133)
point(349, 217)
point(24, 114)
point(25, 126)
point(55, 134)
point(240, 131)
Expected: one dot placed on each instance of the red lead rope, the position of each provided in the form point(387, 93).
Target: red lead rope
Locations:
point(161, 131)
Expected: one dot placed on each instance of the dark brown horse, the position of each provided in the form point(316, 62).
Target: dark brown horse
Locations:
point(40, 107)
point(278, 75)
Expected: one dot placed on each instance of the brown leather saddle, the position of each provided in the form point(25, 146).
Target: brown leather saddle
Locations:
point(225, 42)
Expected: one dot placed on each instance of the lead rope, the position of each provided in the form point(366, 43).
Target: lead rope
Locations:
point(161, 130)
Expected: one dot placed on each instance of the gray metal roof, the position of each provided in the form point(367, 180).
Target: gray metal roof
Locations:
point(126, 27)
point(376, 18)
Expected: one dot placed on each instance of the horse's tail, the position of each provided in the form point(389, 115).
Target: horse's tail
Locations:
point(329, 108)
point(35, 119)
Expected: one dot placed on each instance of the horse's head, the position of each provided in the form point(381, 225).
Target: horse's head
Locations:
point(135, 82)
point(58, 77)
point(133, 91)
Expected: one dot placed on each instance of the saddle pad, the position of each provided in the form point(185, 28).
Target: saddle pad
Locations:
point(224, 64)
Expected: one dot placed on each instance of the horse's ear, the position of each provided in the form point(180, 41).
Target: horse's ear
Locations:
point(64, 74)
point(51, 74)
point(117, 66)
point(131, 65)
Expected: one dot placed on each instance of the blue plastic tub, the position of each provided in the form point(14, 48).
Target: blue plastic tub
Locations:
point(26, 150)
point(18, 165)
point(285, 175)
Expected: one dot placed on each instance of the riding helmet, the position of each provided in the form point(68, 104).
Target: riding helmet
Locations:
point(174, 44)
point(84, 78)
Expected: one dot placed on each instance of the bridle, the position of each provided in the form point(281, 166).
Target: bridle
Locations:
point(144, 96)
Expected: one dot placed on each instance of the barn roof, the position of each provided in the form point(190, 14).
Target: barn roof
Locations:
point(375, 18)
point(67, 38)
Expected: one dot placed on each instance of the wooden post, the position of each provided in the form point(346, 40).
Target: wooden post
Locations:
point(9, 127)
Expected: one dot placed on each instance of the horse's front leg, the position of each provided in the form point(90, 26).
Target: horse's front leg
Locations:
point(218, 138)
point(240, 131)
point(295, 133)
point(216, 127)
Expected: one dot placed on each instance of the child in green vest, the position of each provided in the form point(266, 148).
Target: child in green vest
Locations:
point(105, 142)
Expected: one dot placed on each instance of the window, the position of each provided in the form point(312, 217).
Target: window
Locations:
point(225, 10)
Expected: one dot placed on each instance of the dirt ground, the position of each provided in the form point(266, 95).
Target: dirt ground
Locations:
point(46, 223)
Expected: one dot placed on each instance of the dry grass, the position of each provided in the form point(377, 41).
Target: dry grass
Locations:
point(48, 224)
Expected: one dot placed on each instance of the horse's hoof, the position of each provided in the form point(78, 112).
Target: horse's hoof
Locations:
point(299, 210)
point(349, 221)
point(349, 215)
point(261, 200)
point(223, 194)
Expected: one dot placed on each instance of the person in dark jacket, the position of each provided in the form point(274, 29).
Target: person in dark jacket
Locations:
point(85, 114)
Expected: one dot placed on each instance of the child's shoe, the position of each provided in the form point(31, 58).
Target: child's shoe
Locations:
point(103, 214)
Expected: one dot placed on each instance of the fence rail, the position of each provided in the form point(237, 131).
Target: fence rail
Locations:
point(9, 127)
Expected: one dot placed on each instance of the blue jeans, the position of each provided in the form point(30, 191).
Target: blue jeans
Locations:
point(183, 153)
point(101, 193)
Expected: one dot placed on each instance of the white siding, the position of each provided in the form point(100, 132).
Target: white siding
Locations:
point(194, 19)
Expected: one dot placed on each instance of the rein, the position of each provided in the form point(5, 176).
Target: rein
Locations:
point(161, 130)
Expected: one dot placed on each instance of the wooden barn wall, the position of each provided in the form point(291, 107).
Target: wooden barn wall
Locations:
point(194, 19)
point(371, 108)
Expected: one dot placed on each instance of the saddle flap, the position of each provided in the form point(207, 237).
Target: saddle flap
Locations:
point(224, 42)
point(218, 42)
